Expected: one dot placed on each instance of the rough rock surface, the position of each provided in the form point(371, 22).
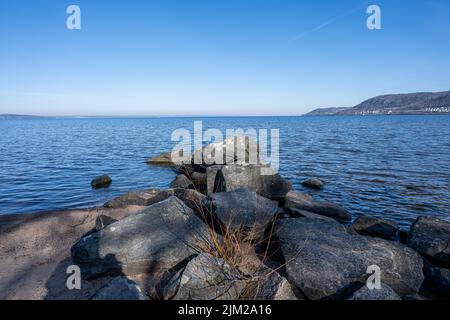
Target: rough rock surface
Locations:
point(101, 182)
point(261, 179)
point(243, 211)
point(158, 238)
point(313, 183)
point(193, 199)
point(385, 293)
point(430, 236)
point(375, 227)
point(120, 288)
point(324, 261)
point(302, 201)
point(182, 182)
point(267, 284)
point(137, 198)
point(204, 278)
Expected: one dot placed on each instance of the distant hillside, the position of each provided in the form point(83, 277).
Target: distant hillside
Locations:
point(396, 104)
point(325, 111)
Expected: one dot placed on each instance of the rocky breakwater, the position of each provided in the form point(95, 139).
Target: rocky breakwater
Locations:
point(227, 231)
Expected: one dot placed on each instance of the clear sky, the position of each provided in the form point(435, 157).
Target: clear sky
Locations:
point(216, 57)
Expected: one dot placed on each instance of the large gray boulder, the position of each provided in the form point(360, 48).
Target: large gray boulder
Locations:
point(120, 288)
point(302, 201)
point(375, 227)
point(240, 149)
point(324, 261)
point(430, 236)
point(158, 238)
point(204, 278)
point(136, 198)
point(243, 212)
point(366, 294)
point(259, 178)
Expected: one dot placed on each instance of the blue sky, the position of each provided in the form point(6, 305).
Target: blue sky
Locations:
point(216, 57)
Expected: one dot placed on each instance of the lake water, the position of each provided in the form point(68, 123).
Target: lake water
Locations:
point(396, 167)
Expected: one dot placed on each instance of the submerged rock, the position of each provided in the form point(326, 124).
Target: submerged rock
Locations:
point(385, 293)
point(375, 227)
point(204, 278)
point(136, 198)
point(430, 236)
point(158, 238)
point(302, 201)
point(261, 179)
point(243, 211)
point(120, 288)
point(101, 182)
point(324, 261)
point(313, 183)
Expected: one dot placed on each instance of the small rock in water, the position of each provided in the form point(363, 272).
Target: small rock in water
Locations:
point(163, 159)
point(313, 183)
point(101, 182)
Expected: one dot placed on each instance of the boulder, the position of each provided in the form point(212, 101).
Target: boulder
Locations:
point(240, 149)
point(375, 227)
point(302, 201)
point(261, 179)
point(157, 238)
point(296, 213)
point(324, 261)
point(120, 288)
point(182, 182)
point(267, 284)
point(313, 183)
point(430, 236)
point(135, 198)
point(204, 278)
point(243, 212)
point(437, 280)
point(385, 293)
point(193, 199)
point(101, 182)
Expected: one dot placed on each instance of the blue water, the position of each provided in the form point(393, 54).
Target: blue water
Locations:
point(389, 166)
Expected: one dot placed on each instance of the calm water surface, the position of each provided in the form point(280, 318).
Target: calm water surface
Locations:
point(394, 167)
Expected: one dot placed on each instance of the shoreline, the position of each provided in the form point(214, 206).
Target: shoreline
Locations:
point(35, 251)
